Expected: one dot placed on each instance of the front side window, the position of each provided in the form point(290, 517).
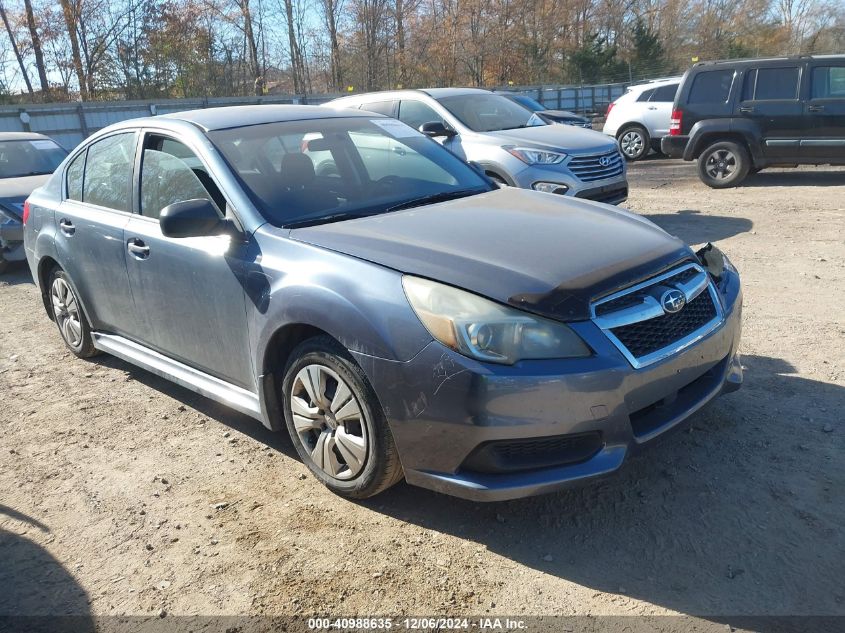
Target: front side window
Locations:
point(828, 82)
point(34, 157)
point(415, 113)
point(483, 112)
point(108, 172)
point(711, 86)
point(170, 173)
point(311, 171)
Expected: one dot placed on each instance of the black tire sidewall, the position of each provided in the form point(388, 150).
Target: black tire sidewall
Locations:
point(644, 135)
point(743, 166)
point(323, 351)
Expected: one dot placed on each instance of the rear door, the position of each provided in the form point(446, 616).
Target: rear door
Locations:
point(188, 292)
point(658, 110)
point(89, 233)
point(771, 99)
point(825, 109)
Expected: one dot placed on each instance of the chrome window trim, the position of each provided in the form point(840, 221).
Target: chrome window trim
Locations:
point(651, 309)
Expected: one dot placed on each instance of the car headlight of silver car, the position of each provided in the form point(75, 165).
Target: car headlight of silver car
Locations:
point(485, 330)
point(535, 156)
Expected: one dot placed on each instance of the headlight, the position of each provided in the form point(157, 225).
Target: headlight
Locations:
point(535, 156)
point(485, 330)
point(550, 187)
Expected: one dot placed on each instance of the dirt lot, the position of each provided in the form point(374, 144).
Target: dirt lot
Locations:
point(121, 493)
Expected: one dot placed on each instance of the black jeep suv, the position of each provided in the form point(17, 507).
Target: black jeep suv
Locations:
point(738, 117)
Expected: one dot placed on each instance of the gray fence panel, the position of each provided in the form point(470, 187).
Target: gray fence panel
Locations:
point(70, 123)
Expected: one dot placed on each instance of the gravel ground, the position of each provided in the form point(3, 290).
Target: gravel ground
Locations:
point(121, 493)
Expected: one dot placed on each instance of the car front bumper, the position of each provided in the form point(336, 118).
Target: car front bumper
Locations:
point(674, 146)
point(612, 190)
point(444, 409)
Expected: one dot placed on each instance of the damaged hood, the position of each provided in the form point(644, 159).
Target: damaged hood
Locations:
point(539, 252)
point(13, 191)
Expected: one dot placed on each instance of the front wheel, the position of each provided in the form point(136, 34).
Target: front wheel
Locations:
point(336, 422)
point(723, 164)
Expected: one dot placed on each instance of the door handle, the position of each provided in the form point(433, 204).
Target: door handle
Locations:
point(67, 226)
point(815, 108)
point(138, 248)
point(652, 107)
point(746, 109)
point(400, 150)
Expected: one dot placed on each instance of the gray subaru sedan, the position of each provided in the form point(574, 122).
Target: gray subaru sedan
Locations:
point(339, 274)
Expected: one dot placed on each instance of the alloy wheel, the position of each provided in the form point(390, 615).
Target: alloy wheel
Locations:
point(329, 421)
point(66, 312)
point(721, 164)
point(632, 144)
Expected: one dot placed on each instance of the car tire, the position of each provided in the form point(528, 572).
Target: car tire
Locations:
point(723, 164)
point(69, 316)
point(634, 142)
point(336, 422)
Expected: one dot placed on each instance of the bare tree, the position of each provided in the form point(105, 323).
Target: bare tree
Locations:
point(15, 48)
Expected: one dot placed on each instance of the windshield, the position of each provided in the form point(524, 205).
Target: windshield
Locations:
point(29, 158)
point(326, 170)
point(528, 102)
point(489, 112)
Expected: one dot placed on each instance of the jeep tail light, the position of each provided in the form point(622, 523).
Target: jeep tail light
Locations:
point(675, 123)
point(25, 211)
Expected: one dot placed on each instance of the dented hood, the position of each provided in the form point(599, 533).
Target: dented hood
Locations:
point(539, 252)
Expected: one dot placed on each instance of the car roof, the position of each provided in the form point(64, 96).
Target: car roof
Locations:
point(763, 60)
point(435, 93)
point(22, 136)
point(438, 93)
point(239, 116)
point(655, 83)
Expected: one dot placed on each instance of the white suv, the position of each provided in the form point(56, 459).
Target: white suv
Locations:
point(640, 118)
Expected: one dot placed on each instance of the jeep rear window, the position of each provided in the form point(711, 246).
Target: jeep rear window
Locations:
point(776, 83)
point(711, 86)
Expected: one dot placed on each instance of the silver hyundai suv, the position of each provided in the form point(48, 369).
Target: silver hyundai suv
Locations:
point(509, 142)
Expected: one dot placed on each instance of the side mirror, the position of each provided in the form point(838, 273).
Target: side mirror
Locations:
point(191, 218)
point(437, 128)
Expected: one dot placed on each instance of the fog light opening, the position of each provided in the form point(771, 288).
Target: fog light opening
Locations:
point(550, 187)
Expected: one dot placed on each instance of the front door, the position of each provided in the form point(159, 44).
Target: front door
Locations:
point(770, 98)
point(188, 292)
point(825, 140)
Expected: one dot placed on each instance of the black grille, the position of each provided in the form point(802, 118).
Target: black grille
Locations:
point(637, 297)
point(502, 456)
point(589, 168)
point(646, 337)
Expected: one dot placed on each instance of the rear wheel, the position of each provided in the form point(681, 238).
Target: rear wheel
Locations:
point(69, 316)
point(723, 164)
point(634, 142)
point(336, 422)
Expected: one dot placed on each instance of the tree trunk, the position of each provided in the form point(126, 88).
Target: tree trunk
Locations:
point(70, 23)
point(402, 74)
point(297, 66)
point(36, 49)
point(15, 49)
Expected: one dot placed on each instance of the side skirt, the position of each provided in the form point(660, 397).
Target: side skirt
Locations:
point(223, 392)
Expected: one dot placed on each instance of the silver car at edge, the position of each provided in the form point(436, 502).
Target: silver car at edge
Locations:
point(509, 142)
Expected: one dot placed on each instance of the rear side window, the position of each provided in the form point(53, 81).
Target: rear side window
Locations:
point(74, 177)
point(379, 107)
point(665, 93)
point(828, 82)
point(776, 83)
point(108, 172)
point(711, 86)
point(645, 95)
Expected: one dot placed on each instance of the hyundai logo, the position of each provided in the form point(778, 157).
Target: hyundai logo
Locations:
point(604, 161)
point(672, 301)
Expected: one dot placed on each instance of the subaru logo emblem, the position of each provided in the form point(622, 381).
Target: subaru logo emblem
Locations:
point(672, 301)
point(604, 161)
